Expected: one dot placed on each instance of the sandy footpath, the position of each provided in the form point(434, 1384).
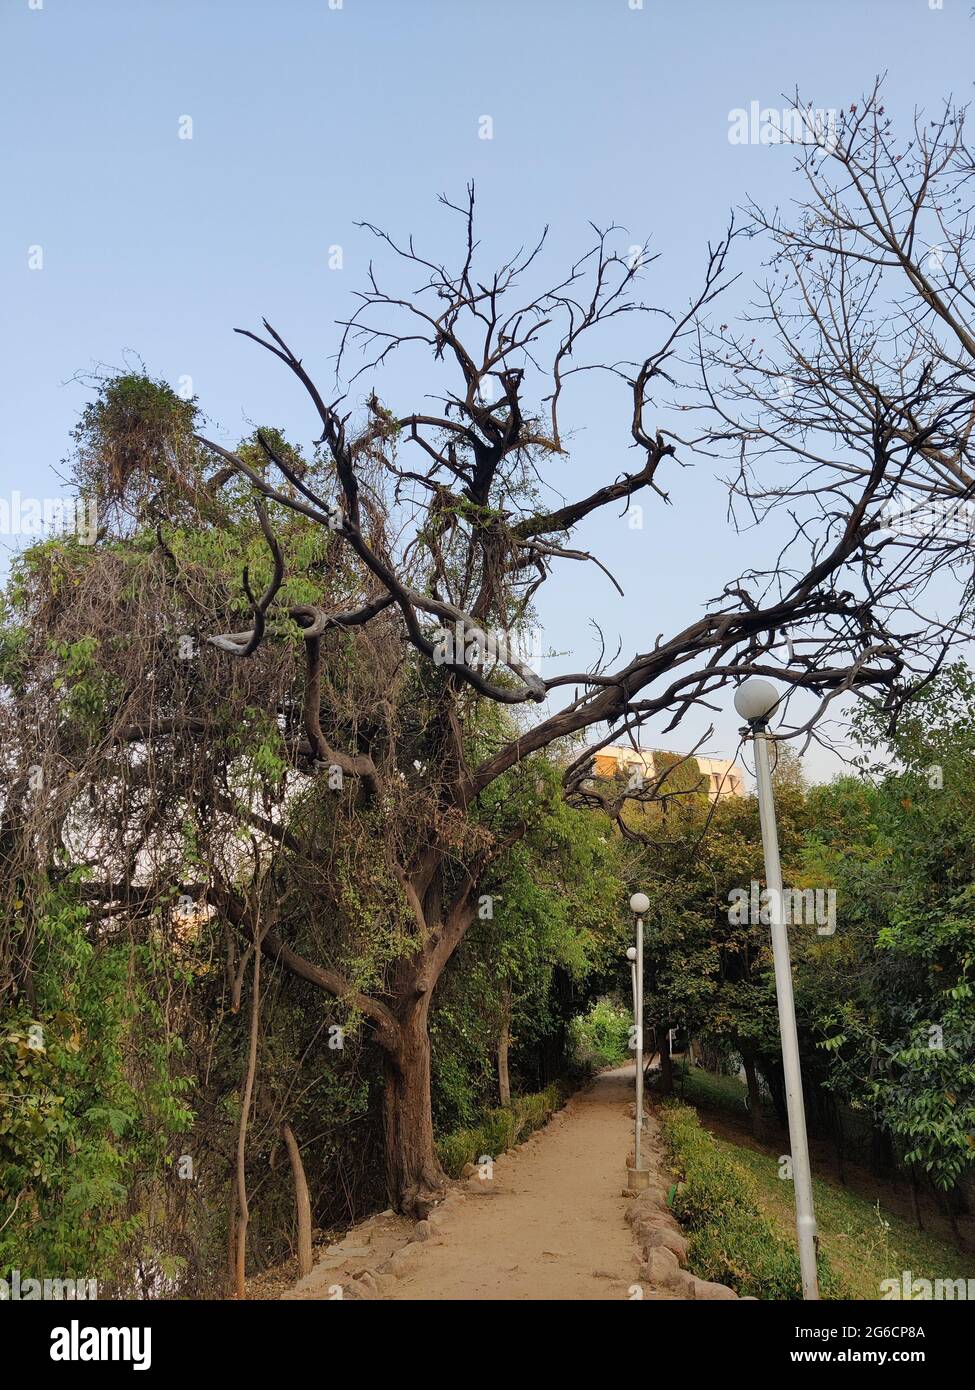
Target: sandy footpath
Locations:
point(549, 1225)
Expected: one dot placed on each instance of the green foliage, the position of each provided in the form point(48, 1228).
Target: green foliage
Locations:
point(550, 912)
point(704, 973)
point(78, 1132)
point(464, 1025)
point(87, 691)
point(885, 1007)
point(731, 1241)
point(899, 1021)
point(134, 439)
point(498, 1130)
point(601, 1037)
point(558, 888)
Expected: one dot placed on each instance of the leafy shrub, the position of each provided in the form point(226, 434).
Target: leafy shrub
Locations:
point(91, 1096)
point(731, 1241)
point(601, 1038)
point(498, 1130)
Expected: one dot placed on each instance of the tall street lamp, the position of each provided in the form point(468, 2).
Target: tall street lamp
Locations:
point(638, 1177)
point(755, 700)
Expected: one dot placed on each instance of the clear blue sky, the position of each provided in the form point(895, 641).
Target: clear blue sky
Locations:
point(307, 118)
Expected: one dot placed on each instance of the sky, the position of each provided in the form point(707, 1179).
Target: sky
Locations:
point(175, 169)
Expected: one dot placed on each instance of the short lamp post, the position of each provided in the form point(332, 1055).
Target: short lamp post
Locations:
point(755, 700)
point(637, 1176)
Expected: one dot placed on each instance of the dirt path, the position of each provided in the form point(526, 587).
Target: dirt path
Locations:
point(549, 1224)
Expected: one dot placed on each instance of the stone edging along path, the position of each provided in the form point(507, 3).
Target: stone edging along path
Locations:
point(550, 1224)
point(658, 1235)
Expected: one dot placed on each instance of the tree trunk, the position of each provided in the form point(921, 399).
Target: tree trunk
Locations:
point(881, 1152)
point(414, 1177)
point(666, 1064)
point(232, 1238)
point(948, 1207)
point(840, 1141)
point(302, 1200)
point(504, 1040)
point(243, 1210)
point(776, 1084)
point(756, 1111)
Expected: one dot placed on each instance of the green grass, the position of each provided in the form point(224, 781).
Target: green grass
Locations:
point(865, 1244)
point(713, 1091)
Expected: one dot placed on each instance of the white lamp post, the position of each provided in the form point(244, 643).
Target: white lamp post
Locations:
point(631, 957)
point(755, 700)
point(639, 904)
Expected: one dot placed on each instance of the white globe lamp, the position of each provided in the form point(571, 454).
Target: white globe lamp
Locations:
point(755, 700)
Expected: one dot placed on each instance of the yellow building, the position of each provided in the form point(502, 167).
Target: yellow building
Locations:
point(724, 777)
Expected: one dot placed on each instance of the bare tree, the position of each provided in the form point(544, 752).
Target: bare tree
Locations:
point(470, 559)
point(856, 362)
point(438, 523)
